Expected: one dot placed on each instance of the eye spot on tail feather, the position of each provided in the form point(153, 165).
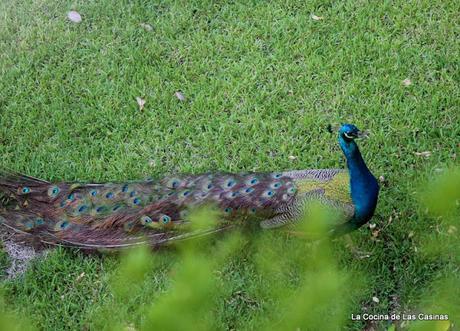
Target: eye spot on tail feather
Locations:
point(53, 191)
point(25, 190)
point(165, 219)
point(62, 225)
point(145, 220)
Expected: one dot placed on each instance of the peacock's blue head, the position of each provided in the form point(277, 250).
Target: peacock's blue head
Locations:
point(348, 132)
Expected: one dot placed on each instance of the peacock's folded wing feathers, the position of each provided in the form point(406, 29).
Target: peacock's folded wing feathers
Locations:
point(330, 187)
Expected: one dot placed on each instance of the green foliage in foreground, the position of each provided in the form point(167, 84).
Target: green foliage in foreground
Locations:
point(261, 82)
point(298, 283)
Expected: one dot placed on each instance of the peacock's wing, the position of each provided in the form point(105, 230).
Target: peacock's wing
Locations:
point(330, 187)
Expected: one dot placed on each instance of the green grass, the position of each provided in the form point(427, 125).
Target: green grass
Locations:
point(261, 81)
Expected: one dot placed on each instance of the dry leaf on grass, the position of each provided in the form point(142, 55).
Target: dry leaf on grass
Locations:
point(390, 219)
point(407, 82)
point(316, 18)
point(425, 154)
point(140, 102)
point(292, 157)
point(74, 16)
point(375, 299)
point(452, 229)
point(80, 277)
point(146, 27)
point(383, 181)
point(180, 96)
point(130, 327)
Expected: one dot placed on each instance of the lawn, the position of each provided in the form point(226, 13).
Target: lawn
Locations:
point(261, 83)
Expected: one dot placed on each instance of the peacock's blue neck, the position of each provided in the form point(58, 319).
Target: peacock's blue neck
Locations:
point(363, 185)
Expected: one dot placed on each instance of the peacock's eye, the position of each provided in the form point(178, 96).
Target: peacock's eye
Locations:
point(347, 135)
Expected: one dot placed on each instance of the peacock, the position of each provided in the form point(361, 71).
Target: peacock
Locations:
point(157, 211)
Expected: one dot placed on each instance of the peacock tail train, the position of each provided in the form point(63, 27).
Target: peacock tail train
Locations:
point(116, 215)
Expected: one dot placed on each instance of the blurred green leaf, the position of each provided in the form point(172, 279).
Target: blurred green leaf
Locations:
point(317, 300)
point(443, 295)
point(9, 321)
point(135, 264)
point(186, 305)
point(430, 326)
point(443, 194)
